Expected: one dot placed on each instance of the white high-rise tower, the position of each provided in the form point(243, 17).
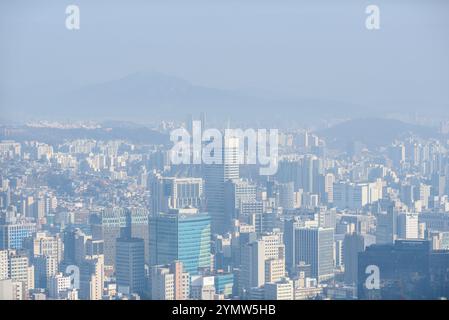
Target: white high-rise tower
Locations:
point(215, 176)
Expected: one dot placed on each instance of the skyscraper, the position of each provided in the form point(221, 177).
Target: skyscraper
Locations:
point(252, 271)
point(386, 228)
point(106, 225)
point(92, 278)
point(402, 271)
point(352, 245)
point(315, 247)
point(183, 235)
point(438, 185)
point(262, 261)
point(45, 268)
point(130, 265)
point(111, 223)
point(290, 227)
point(215, 176)
point(137, 223)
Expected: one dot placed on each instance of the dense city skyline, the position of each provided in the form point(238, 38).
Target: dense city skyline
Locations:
point(224, 151)
point(130, 222)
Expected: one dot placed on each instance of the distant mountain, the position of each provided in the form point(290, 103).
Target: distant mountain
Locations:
point(55, 136)
point(373, 132)
point(150, 96)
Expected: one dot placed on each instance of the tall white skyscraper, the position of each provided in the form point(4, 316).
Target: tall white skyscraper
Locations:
point(215, 176)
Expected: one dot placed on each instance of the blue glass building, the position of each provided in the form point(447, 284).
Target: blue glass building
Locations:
point(183, 235)
point(224, 284)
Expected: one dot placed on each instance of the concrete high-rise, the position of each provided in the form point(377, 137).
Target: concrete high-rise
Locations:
point(4, 264)
point(238, 193)
point(12, 235)
point(315, 247)
point(408, 226)
point(175, 193)
point(169, 282)
point(252, 271)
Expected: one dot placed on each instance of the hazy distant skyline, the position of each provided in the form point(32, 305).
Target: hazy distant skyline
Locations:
point(281, 49)
point(224, 150)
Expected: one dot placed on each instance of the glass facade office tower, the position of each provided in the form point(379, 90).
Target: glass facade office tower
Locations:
point(130, 265)
point(184, 235)
point(407, 269)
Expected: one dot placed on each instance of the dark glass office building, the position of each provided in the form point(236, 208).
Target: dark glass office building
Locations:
point(407, 269)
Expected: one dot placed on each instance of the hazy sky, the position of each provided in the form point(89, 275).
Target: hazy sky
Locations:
point(318, 49)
